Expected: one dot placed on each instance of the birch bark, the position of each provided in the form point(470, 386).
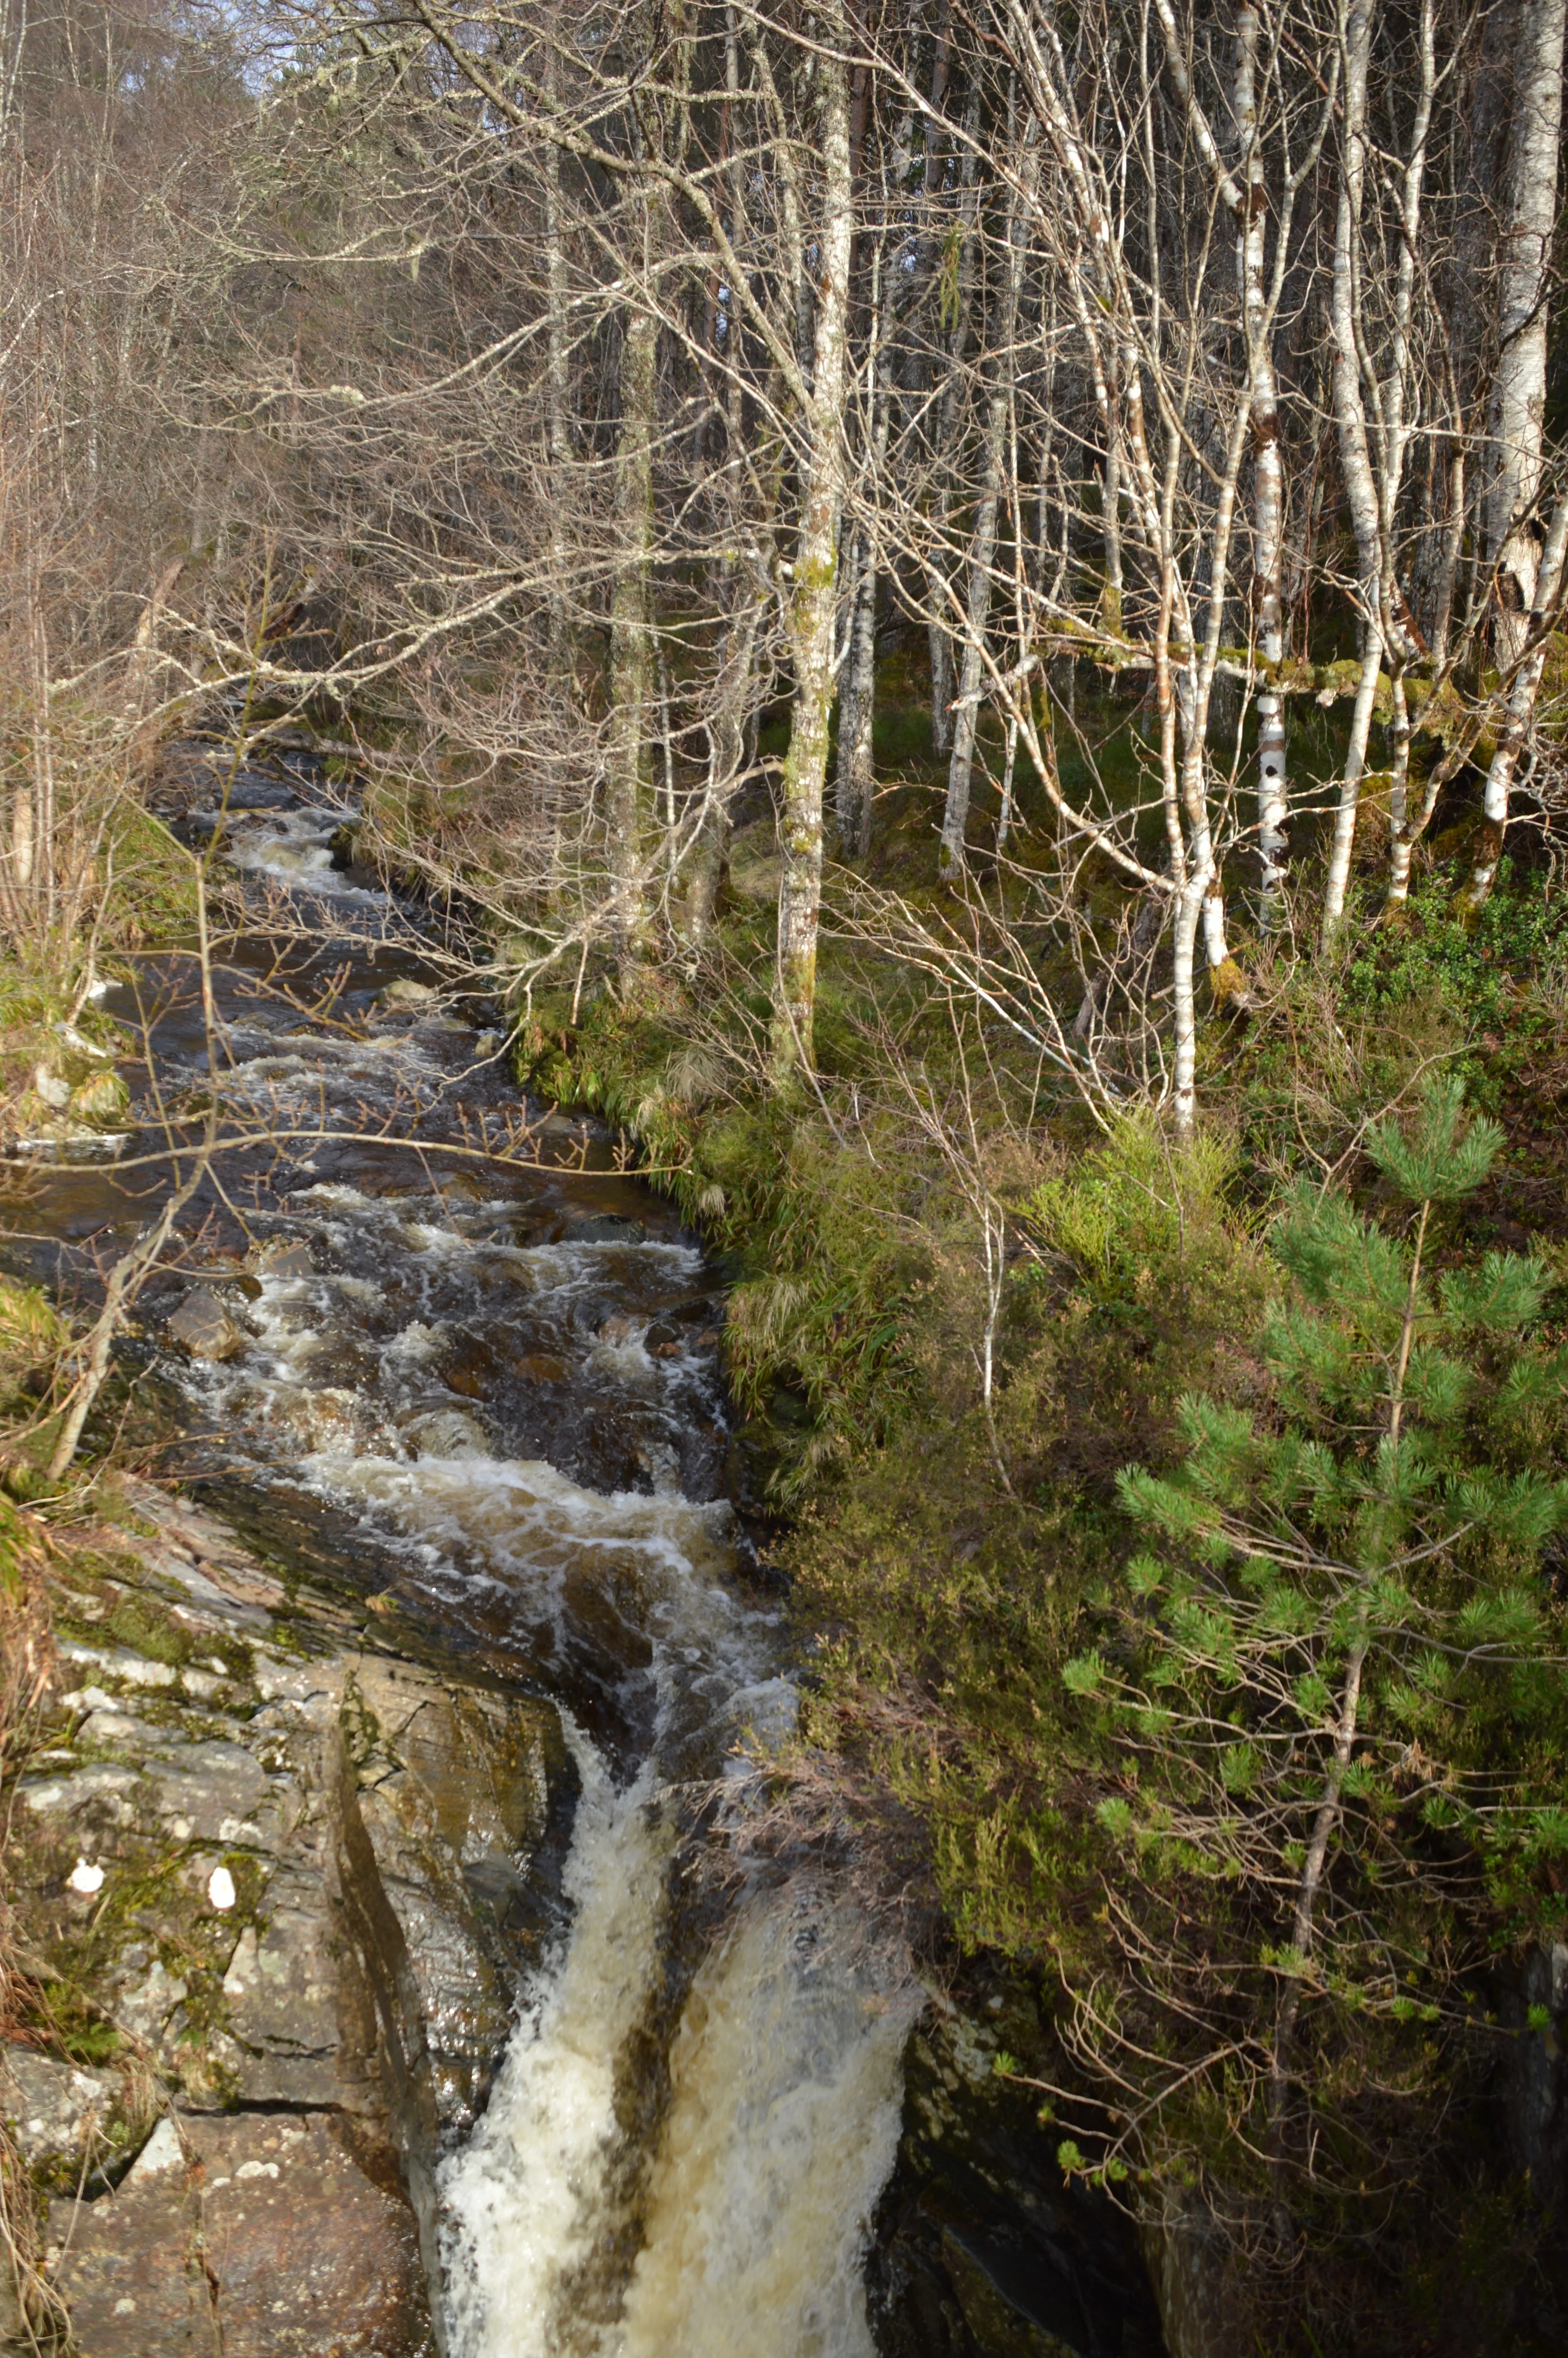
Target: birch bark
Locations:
point(960, 769)
point(1356, 24)
point(1514, 735)
point(1268, 486)
point(1518, 397)
point(631, 644)
point(815, 584)
point(857, 705)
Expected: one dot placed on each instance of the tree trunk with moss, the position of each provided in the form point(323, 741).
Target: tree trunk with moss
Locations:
point(813, 608)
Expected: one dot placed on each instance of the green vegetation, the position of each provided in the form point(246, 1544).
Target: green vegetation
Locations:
point(1262, 1406)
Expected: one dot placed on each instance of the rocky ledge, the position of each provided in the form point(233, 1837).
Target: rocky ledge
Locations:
point(273, 1888)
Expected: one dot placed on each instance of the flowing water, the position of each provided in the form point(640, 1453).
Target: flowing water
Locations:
point(497, 1382)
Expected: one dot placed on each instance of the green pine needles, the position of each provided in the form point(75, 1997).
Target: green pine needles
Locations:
point(1326, 1716)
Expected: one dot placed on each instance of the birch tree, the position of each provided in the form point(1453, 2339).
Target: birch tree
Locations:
point(1517, 410)
point(814, 571)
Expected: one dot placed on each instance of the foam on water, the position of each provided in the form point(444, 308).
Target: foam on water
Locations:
point(782, 2128)
point(525, 2198)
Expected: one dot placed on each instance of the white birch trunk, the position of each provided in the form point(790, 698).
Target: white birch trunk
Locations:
point(857, 705)
point(960, 769)
point(1518, 394)
point(1519, 407)
point(1356, 27)
point(815, 566)
point(631, 646)
point(1267, 482)
point(1514, 735)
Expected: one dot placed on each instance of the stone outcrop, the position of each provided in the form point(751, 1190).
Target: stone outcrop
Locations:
point(257, 2234)
point(982, 2249)
point(218, 2081)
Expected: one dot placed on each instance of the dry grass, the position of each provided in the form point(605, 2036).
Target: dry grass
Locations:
point(31, 2315)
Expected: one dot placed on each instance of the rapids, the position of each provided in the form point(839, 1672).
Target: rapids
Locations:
point(499, 1386)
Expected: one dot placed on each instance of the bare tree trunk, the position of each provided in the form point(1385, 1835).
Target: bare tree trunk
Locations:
point(555, 426)
point(858, 703)
point(966, 711)
point(1268, 486)
point(815, 566)
point(1356, 27)
point(727, 759)
point(630, 642)
point(1514, 735)
point(1519, 397)
point(1518, 400)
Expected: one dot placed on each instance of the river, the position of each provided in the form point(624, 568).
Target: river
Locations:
point(498, 1380)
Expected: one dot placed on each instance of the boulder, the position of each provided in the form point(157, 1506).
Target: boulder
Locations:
point(281, 1257)
point(391, 1843)
point(203, 1327)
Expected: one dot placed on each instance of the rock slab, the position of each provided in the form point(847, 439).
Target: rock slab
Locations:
point(259, 2236)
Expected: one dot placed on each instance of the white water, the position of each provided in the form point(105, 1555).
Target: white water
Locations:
point(738, 2227)
point(783, 2130)
point(525, 2197)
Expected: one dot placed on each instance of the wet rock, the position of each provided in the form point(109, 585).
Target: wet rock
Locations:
point(253, 790)
point(262, 2236)
point(404, 991)
point(604, 1229)
point(663, 1340)
point(981, 2250)
point(448, 1433)
point(470, 1368)
point(452, 1795)
point(52, 2109)
point(1537, 2080)
point(203, 1327)
point(281, 1257)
